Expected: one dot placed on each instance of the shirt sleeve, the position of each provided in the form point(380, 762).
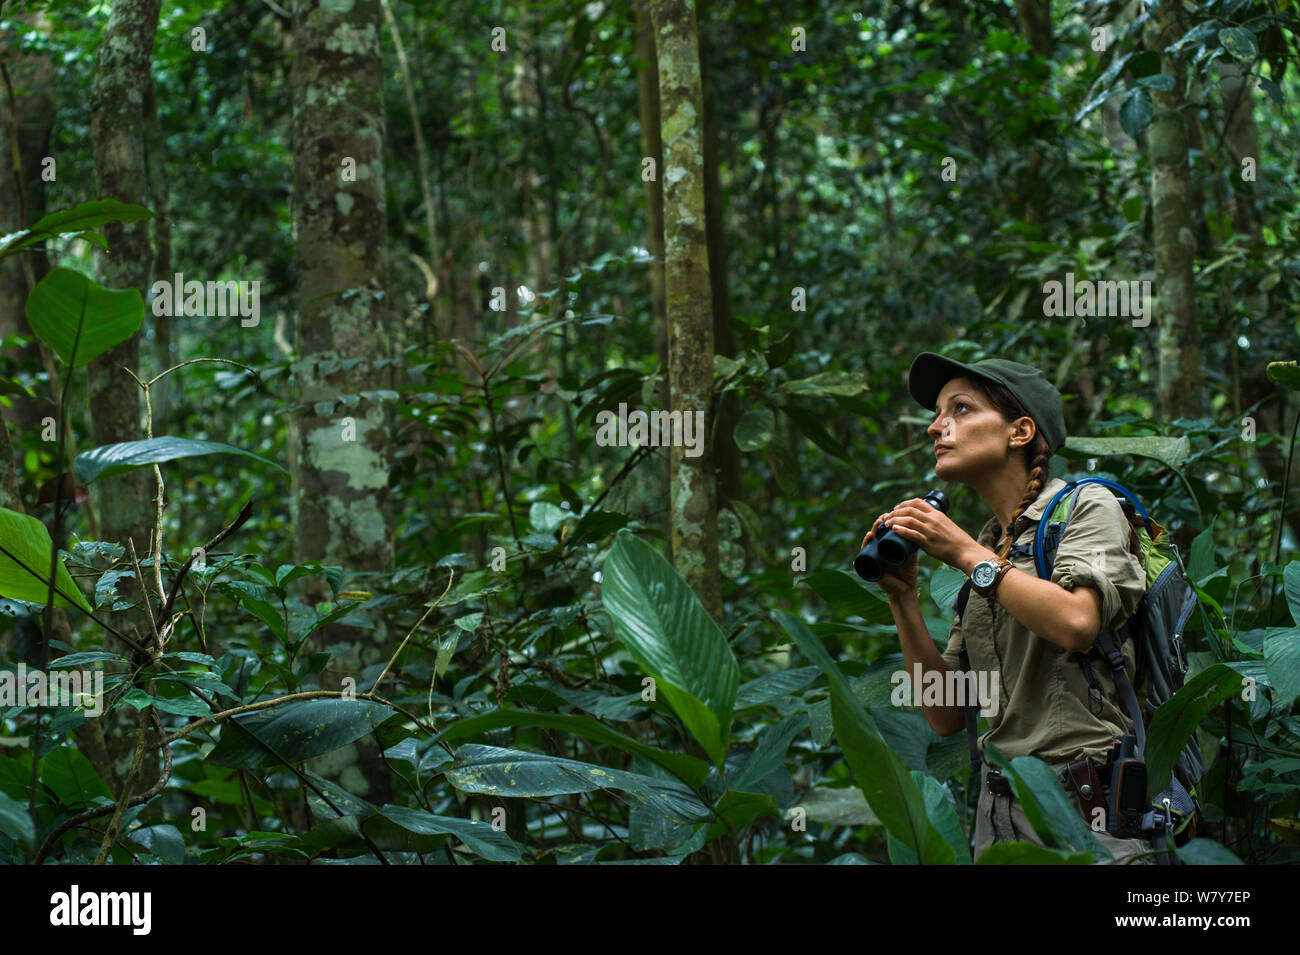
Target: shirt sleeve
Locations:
point(1099, 550)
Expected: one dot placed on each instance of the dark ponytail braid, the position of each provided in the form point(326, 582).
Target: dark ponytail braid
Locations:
point(1037, 452)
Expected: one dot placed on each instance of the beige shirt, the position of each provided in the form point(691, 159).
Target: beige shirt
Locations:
point(1043, 707)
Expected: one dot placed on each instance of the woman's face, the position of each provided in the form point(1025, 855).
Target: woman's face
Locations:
point(978, 441)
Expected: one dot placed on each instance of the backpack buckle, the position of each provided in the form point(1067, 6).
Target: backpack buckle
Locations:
point(998, 784)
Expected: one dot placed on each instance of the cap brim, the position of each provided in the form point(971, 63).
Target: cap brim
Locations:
point(929, 373)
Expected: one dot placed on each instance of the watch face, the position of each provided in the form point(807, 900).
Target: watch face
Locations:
point(983, 573)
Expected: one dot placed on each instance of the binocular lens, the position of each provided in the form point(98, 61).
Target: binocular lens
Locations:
point(890, 550)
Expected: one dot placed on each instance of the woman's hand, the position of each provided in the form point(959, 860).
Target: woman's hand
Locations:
point(898, 581)
point(931, 530)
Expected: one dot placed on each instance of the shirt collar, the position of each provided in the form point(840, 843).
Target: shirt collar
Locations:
point(991, 532)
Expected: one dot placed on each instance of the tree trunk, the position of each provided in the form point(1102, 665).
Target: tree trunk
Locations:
point(647, 95)
point(160, 395)
point(693, 517)
point(339, 215)
point(1178, 342)
point(125, 503)
point(1036, 24)
point(341, 225)
point(30, 123)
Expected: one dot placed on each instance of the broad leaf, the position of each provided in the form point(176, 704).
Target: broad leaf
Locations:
point(890, 789)
point(85, 215)
point(770, 752)
point(297, 730)
point(754, 429)
point(481, 838)
point(1171, 451)
point(847, 593)
point(509, 772)
point(14, 821)
point(1206, 852)
point(669, 633)
point(111, 459)
point(1176, 719)
point(1027, 853)
point(25, 569)
point(80, 319)
point(1282, 661)
point(940, 809)
point(687, 768)
point(1046, 805)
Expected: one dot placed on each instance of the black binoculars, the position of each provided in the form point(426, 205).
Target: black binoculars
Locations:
point(891, 550)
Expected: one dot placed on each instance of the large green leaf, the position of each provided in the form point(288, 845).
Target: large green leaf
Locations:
point(14, 821)
point(1027, 853)
point(111, 459)
point(770, 752)
point(1206, 852)
point(1291, 587)
point(846, 383)
point(1046, 805)
point(481, 838)
point(942, 812)
point(773, 686)
point(24, 571)
point(297, 730)
point(689, 769)
point(890, 790)
point(1172, 451)
point(669, 633)
point(754, 429)
point(847, 593)
point(1177, 718)
point(71, 777)
point(86, 215)
point(1285, 372)
point(1282, 660)
point(511, 772)
point(80, 319)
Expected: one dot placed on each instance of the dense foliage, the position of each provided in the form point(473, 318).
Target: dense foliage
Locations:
point(556, 693)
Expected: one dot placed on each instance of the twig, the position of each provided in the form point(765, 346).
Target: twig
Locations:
point(374, 686)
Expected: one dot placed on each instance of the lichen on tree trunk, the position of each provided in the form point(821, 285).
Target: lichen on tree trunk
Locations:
point(342, 330)
point(693, 515)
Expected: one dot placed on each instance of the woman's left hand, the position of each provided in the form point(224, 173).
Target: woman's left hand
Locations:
point(931, 530)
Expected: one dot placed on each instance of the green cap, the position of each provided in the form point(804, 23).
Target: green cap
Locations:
point(930, 372)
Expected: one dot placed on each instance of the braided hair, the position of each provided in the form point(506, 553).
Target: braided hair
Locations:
point(1037, 452)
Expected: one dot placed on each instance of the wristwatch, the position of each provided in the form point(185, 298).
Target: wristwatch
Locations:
point(987, 574)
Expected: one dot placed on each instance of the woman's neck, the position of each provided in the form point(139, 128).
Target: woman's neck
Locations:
point(1004, 491)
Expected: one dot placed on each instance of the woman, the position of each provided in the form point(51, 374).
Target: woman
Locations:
point(997, 423)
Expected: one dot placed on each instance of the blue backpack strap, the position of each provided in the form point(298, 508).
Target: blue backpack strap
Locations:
point(1044, 550)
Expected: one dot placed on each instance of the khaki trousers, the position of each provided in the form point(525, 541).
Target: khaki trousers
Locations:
point(1000, 819)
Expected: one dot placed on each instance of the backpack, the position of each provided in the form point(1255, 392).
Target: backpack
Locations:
point(1156, 627)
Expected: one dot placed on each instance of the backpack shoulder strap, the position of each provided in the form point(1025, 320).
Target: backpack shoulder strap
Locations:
point(969, 711)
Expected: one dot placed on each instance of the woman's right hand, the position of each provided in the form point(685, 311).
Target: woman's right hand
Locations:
point(898, 581)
